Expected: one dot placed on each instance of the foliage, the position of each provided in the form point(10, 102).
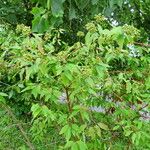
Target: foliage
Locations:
point(90, 95)
point(51, 13)
point(72, 14)
point(13, 138)
point(134, 12)
point(15, 11)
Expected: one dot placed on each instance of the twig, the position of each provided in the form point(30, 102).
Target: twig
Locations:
point(4, 83)
point(118, 97)
point(143, 107)
point(145, 117)
point(142, 44)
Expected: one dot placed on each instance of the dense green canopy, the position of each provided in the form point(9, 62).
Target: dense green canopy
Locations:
point(74, 74)
point(71, 14)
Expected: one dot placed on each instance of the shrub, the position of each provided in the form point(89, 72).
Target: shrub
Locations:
point(90, 95)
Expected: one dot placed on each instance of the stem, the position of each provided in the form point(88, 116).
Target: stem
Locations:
point(68, 101)
point(69, 104)
point(142, 44)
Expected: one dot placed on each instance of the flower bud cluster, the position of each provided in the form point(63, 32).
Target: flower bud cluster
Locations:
point(100, 18)
point(80, 34)
point(47, 36)
point(21, 28)
point(131, 30)
point(91, 27)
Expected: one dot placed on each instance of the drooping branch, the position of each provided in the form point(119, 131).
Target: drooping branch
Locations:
point(27, 141)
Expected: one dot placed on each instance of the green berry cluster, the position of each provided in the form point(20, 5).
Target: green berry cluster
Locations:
point(21, 28)
point(131, 30)
point(106, 40)
point(47, 36)
point(100, 18)
point(91, 27)
point(80, 34)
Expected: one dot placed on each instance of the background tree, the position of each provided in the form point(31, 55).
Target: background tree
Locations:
point(71, 14)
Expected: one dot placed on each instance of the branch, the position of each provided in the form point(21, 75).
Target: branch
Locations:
point(143, 107)
point(142, 44)
point(69, 103)
point(27, 141)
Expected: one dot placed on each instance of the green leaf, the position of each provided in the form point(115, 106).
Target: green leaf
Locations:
point(40, 24)
point(134, 137)
point(3, 94)
point(75, 127)
point(94, 2)
point(113, 3)
point(66, 77)
point(100, 70)
point(2, 99)
point(69, 144)
point(27, 88)
point(82, 127)
point(57, 8)
point(35, 91)
point(128, 86)
point(91, 132)
point(88, 39)
point(82, 145)
point(45, 111)
point(128, 132)
point(98, 130)
point(116, 127)
point(64, 129)
point(72, 13)
point(140, 124)
point(38, 11)
point(48, 4)
point(81, 4)
point(90, 82)
point(74, 146)
point(29, 72)
point(36, 110)
point(103, 126)
point(85, 115)
point(120, 40)
point(120, 3)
